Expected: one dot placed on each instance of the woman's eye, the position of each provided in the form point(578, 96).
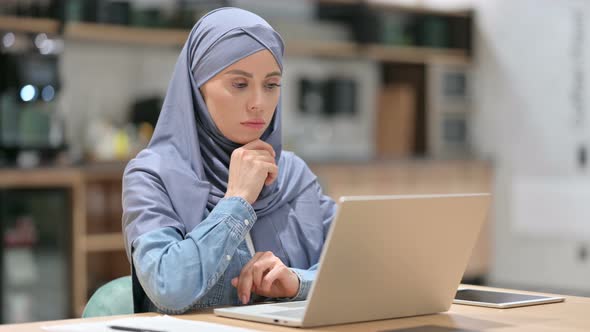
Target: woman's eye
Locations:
point(240, 85)
point(271, 86)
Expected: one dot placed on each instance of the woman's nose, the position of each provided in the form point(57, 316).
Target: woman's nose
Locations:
point(256, 101)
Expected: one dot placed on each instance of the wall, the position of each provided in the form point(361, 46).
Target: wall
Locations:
point(340, 137)
point(101, 80)
point(532, 96)
point(531, 102)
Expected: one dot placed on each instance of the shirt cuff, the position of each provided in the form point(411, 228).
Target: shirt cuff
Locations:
point(305, 281)
point(241, 213)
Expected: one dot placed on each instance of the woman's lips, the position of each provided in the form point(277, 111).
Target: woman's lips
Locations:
point(254, 124)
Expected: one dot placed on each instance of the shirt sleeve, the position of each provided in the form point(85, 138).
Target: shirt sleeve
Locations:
point(166, 263)
point(307, 276)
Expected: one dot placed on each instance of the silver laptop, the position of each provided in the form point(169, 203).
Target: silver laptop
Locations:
point(384, 257)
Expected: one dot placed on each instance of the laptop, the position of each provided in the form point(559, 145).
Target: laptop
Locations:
point(384, 257)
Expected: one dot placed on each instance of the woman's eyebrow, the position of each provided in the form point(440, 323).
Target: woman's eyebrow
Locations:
point(274, 73)
point(239, 72)
point(250, 75)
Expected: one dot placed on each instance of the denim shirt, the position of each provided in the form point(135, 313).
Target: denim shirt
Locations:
point(183, 274)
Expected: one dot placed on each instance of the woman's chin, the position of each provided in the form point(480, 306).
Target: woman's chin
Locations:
point(243, 140)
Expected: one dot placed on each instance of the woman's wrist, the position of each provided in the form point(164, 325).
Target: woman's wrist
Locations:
point(236, 194)
point(298, 280)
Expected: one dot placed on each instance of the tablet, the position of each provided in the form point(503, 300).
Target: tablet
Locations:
point(501, 299)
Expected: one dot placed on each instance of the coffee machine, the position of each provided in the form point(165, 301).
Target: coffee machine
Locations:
point(31, 130)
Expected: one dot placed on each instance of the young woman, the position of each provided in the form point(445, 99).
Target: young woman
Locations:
point(215, 212)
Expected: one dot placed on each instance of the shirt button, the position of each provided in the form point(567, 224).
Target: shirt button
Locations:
point(228, 257)
point(247, 222)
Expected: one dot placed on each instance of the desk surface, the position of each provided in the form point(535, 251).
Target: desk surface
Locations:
point(569, 316)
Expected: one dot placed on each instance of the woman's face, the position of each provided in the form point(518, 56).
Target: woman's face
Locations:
point(243, 97)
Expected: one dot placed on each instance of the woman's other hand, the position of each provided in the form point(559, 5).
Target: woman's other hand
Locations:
point(251, 166)
point(266, 275)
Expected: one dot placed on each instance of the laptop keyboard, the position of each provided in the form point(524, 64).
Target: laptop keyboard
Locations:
point(295, 309)
point(291, 313)
point(296, 304)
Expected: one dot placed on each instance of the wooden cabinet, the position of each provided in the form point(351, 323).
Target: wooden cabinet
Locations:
point(97, 253)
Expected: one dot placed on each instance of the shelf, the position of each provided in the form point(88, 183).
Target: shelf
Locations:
point(410, 54)
point(418, 9)
point(401, 6)
point(126, 35)
point(104, 171)
point(29, 24)
point(322, 48)
point(104, 242)
point(339, 49)
point(39, 177)
point(384, 53)
point(340, 2)
point(177, 37)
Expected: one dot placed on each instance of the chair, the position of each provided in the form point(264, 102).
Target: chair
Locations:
point(112, 298)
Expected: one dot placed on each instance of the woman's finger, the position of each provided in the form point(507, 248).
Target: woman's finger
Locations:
point(259, 270)
point(273, 173)
point(279, 272)
point(260, 145)
point(254, 154)
point(266, 263)
point(244, 282)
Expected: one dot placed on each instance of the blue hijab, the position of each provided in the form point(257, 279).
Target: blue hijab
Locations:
point(187, 159)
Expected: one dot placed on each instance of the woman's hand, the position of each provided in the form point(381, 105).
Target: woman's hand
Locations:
point(251, 166)
point(266, 275)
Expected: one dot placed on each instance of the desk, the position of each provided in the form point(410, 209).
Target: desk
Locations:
point(573, 315)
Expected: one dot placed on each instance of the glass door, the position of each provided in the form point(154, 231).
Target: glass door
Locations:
point(36, 254)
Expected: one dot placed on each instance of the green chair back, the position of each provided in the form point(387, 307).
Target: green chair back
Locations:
point(112, 298)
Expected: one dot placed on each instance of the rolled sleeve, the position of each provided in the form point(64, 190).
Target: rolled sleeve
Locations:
point(306, 278)
point(166, 262)
point(241, 213)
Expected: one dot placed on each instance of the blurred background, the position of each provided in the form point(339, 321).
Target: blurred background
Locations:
point(379, 97)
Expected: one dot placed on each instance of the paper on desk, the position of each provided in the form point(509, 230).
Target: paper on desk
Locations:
point(163, 323)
